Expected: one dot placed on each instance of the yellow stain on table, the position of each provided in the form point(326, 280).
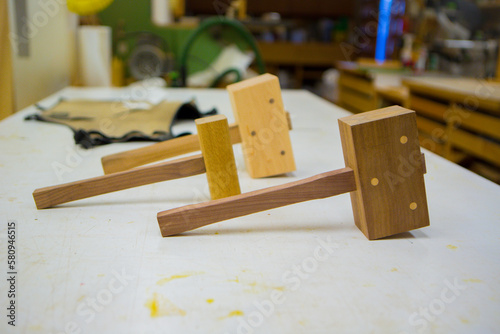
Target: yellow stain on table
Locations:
point(256, 287)
point(174, 277)
point(452, 247)
point(160, 306)
point(473, 280)
point(235, 313)
point(394, 269)
point(35, 328)
point(171, 278)
point(210, 300)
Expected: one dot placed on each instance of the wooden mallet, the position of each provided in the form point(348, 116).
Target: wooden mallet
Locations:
point(217, 160)
point(262, 126)
point(384, 174)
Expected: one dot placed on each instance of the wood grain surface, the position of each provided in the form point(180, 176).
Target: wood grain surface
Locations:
point(382, 148)
point(51, 196)
point(189, 217)
point(258, 108)
point(217, 150)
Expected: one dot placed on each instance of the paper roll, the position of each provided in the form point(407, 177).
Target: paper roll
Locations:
point(161, 14)
point(94, 51)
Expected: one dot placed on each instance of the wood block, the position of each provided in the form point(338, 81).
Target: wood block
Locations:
point(215, 143)
point(382, 148)
point(259, 112)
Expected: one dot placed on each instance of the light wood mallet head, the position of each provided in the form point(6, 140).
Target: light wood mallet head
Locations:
point(258, 108)
point(262, 127)
point(384, 174)
point(217, 160)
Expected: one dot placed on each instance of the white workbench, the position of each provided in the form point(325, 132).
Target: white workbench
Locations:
point(100, 265)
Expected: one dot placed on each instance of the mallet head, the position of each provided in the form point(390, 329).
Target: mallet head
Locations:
point(217, 151)
point(260, 114)
point(382, 148)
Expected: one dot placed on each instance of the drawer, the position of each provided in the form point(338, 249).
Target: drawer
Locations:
point(429, 108)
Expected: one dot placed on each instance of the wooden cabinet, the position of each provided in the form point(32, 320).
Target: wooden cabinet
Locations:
point(356, 91)
point(359, 91)
point(460, 120)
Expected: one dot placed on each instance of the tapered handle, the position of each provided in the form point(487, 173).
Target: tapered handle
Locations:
point(189, 217)
point(50, 196)
point(167, 149)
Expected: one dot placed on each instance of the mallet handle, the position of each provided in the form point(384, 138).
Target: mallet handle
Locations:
point(167, 149)
point(50, 196)
point(189, 217)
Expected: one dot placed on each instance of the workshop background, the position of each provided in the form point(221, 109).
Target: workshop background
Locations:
point(360, 55)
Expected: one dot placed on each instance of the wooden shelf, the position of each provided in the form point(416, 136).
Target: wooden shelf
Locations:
point(459, 117)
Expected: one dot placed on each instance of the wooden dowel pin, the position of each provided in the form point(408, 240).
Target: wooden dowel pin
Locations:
point(217, 160)
point(262, 127)
point(384, 174)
